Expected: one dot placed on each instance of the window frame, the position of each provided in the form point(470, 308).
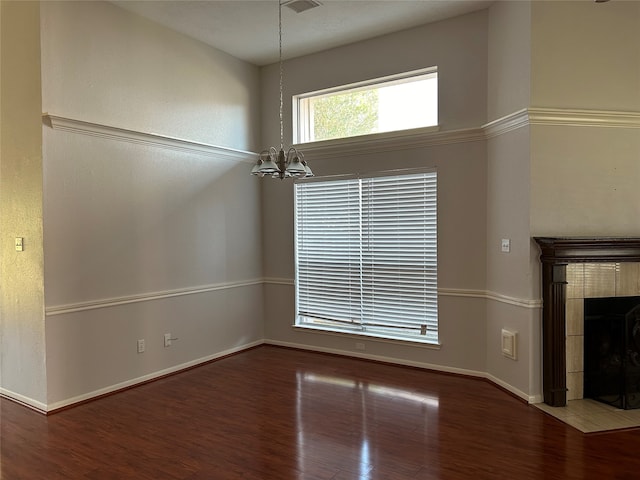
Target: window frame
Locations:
point(427, 338)
point(301, 118)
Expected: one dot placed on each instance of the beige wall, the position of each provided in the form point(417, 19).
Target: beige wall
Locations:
point(509, 58)
point(131, 73)
point(586, 55)
point(22, 331)
point(584, 178)
point(458, 48)
point(141, 239)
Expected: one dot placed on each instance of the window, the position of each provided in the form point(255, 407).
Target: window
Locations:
point(383, 105)
point(366, 255)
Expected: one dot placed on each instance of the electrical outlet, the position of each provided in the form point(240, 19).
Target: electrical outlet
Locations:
point(167, 339)
point(141, 345)
point(505, 245)
point(360, 346)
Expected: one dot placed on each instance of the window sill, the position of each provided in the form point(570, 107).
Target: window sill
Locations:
point(396, 134)
point(409, 342)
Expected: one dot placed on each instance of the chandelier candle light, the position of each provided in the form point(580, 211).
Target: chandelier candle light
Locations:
point(272, 162)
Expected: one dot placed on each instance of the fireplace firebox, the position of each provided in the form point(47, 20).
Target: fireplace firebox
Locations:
point(612, 351)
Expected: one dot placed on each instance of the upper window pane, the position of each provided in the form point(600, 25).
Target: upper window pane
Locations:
point(383, 105)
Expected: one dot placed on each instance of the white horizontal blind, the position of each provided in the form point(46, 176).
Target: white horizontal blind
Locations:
point(367, 255)
point(328, 251)
point(399, 254)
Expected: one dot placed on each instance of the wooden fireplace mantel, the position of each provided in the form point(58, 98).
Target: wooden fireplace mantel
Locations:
point(556, 253)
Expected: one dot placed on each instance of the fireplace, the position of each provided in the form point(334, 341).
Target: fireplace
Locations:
point(557, 254)
point(612, 351)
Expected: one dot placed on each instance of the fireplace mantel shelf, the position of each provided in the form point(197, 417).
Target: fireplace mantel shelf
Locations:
point(556, 253)
point(589, 249)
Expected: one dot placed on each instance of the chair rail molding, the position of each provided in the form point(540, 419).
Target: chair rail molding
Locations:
point(65, 124)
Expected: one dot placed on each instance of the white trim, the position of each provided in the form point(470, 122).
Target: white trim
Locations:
point(512, 389)
point(366, 144)
point(279, 281)
point(430, 136)
point(488, 295)
point(22, 400)
point(450, 292)
point(378, 358)
point(405, 342)
point(390, 141)
point(410, 363)
point(506, 124)
point(518, 302)
point(151, 376)
point(583, 118)
point(533, 399)
point(145, 297)
point(148, 139)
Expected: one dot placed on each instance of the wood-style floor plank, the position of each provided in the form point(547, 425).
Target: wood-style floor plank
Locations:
point(275, 413)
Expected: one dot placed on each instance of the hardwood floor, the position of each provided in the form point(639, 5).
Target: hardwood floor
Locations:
point(275, 413)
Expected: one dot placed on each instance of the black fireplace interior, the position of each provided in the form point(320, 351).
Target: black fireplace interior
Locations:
point(612, 351)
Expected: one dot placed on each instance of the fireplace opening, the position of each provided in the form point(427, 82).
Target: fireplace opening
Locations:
point(612, 351)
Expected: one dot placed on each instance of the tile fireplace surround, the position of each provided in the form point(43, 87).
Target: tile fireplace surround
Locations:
point(574, 269)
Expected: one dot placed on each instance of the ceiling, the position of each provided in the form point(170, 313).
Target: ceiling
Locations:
point(248, 29)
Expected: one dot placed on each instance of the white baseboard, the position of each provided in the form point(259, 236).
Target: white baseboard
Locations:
point(427, 366)
point(46, 408)
point(22, 400)
point(145, 378)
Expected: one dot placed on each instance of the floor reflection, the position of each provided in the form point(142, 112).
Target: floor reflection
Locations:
point(366, 411)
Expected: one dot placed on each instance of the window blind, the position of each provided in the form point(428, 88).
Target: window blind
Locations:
point(366, 255)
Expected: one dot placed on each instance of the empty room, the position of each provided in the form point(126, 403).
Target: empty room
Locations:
point(319, 239)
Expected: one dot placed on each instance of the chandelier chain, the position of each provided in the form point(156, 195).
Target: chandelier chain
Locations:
point(281, 71)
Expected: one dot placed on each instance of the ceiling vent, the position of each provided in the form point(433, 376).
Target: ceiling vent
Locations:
point(300, 6)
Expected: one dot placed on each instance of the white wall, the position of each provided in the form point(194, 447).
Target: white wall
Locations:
point(459, 48)
point(22, 332)
point(511, 275)
point(142, 239)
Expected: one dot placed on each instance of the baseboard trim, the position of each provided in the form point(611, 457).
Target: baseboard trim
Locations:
point(55, 407)
point(409, 363)
point(22, 400)
point(113, 389)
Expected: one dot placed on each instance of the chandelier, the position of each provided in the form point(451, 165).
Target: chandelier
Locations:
point(273, 162)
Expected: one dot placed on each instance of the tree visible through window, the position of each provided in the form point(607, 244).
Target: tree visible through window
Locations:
point(344, 115)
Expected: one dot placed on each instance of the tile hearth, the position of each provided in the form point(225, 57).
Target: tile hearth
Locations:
point(592, 280)
point(590, 416)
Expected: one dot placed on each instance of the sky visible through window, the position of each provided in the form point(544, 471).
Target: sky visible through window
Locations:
point(408, 105)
